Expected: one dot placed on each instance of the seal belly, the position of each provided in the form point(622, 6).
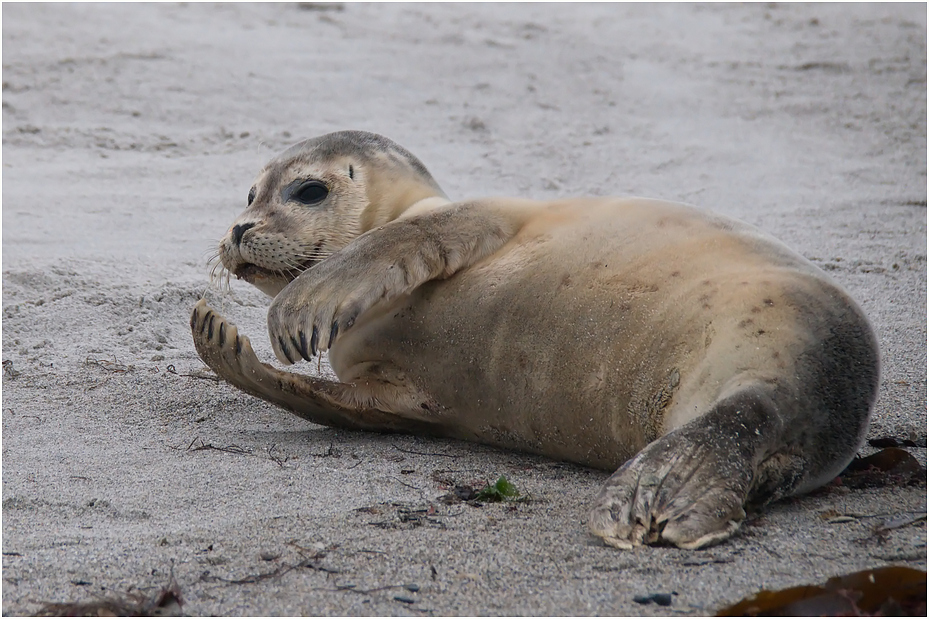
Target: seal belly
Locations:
point(587, 336)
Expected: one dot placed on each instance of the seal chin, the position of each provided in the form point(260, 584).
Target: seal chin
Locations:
point(265, 280)
point(270, 281)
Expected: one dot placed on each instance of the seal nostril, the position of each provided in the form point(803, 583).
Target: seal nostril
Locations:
point(238, 230)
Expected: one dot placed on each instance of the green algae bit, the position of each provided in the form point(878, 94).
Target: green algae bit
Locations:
point(499, 491)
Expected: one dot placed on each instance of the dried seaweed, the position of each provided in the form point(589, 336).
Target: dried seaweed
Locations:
point(889, 467)
point(888, 591)
point(166, 603)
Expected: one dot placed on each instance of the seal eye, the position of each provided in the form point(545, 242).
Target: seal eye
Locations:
point(251, 196)
point(310, 192)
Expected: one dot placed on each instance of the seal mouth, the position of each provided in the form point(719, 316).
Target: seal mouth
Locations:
point(252, 273)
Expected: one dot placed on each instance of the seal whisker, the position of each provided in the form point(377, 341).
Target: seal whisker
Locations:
point(292, 270)
point(219, 274)
point(314, 255)
point(220, 278)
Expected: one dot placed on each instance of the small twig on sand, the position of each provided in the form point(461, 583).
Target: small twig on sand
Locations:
point(282, 569)
point(402, 483)
point(233, 449)
point(278, 460)
point(420, 453)
point(110, 366)
point(899, 522)
point(203, 374)
point(251, 579)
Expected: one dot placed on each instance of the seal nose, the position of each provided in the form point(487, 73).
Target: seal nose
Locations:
point(238, 230)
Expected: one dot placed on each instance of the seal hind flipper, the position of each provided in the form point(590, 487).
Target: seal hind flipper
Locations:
point(688, 487)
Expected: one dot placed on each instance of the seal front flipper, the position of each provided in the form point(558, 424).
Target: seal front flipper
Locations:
point(328, 403)
point(689, 487)
point(383, 264)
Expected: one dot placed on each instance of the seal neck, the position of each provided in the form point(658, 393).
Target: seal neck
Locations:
point(424, 206)
point(385, 206)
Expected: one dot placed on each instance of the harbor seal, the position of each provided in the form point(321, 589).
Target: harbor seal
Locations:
point(715, 368)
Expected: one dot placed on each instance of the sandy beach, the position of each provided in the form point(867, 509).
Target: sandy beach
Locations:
point(131, 136)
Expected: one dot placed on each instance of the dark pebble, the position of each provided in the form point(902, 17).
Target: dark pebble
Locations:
point(465, 493)
point(405, 600)
point(890, 441)
point(662, 599)
point(411, 587)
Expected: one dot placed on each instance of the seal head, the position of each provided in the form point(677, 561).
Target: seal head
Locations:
point(316, 197)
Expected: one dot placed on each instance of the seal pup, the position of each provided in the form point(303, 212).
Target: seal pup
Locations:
point(711, 365)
